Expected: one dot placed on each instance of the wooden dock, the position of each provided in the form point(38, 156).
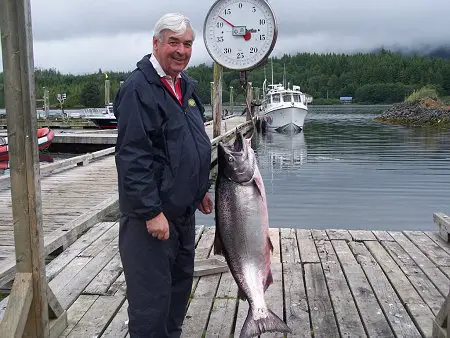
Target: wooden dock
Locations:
point(327, 283)
point(75, 193)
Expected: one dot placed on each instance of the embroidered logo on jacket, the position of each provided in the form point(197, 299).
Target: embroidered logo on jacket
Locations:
point(191, 102)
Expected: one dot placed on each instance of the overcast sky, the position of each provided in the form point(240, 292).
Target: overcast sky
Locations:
point(81, 36)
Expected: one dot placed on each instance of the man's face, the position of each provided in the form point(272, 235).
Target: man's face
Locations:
point(174, 52)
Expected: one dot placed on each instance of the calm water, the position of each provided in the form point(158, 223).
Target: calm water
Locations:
point(347, 171)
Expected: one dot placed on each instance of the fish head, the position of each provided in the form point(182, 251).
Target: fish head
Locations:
point(236, 161)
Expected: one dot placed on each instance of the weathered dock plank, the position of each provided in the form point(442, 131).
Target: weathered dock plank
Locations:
point(434, 272)
point(118, 328)
point(223, 311)
point(96, 319)
point(289, 246)
point(345, 309)
point(390, 303)
point(370, 311)
point(430, 248)
point(416, 292)
point(321, 310)
point(295, 300)
point(59, 193)
point(438, 240)
point(77, 311)
point(306, 246)
point(327, 285)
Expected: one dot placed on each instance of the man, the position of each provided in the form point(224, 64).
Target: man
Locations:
point(163, 157)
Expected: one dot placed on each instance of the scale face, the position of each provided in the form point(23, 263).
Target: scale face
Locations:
point(240, 34)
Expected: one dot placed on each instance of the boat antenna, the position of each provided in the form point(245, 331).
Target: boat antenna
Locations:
point(284, 75)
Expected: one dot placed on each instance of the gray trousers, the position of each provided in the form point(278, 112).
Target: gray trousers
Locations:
point(158, 275)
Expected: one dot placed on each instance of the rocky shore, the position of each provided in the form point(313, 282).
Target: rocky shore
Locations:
point(427, 112)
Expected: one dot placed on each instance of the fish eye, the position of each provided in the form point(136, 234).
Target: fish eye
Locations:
point(230, 159)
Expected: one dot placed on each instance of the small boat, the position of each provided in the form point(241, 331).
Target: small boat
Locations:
point(45, 137)
point(105, 119)
point(284, 109)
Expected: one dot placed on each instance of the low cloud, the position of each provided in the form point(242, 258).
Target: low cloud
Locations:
point(82, 36)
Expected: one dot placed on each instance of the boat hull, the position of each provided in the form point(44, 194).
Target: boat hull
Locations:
point(44, 138)
point(285, 119)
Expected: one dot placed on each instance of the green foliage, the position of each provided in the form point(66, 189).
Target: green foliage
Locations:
point(382, 92)
point(422, 93)
point(382, 77)
point(90, 95)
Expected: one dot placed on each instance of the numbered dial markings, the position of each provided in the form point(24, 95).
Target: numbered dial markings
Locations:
point(240, 34)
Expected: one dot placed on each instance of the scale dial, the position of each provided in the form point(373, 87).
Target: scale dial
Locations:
point(240, 34)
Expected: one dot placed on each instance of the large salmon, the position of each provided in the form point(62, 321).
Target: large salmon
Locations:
point(242, 232)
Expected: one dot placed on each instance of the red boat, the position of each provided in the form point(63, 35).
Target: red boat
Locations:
point(45, 138)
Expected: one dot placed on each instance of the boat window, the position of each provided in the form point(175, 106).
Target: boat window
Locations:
point(297, 98)
point(276, 98)
point(287, 97)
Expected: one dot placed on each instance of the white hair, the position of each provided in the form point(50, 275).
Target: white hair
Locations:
point(175, 22)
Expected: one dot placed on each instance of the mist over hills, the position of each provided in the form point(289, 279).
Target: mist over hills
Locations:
point(442, 52)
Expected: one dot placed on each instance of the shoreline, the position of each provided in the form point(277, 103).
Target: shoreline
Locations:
point(427, 112)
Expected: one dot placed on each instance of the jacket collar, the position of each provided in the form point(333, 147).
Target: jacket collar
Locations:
point(188, 84)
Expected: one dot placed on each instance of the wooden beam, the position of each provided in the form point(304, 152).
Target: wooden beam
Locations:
point(248, 100)
point(13, 324)
point(441, 324)
point(20, 100)
point(58, 325)
point(209, 266)
point(217, 102)
point(443, 223)
point(55, 309)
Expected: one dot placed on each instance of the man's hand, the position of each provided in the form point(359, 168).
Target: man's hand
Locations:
point(158, 227)
point(206, 206)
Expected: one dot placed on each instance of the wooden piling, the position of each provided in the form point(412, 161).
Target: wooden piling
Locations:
point(217, 102)
point(27, 312)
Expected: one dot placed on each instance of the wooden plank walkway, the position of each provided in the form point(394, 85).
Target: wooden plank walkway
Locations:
point(327, 283)
point(72, 201)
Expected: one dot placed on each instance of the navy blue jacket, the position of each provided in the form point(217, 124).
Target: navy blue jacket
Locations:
point(163, 154)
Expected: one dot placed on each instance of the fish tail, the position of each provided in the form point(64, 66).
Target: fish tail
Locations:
point(272, 323)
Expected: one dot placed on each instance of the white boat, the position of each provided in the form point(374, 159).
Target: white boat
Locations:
point(284, 109)
point(105, 119)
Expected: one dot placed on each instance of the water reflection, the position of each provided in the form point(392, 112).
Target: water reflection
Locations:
point(281, 152)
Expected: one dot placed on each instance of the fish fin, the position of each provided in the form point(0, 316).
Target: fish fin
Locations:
point(259, 184)
point(269, 280)
point(241, 294)
point(218, 247)
point(272, 323)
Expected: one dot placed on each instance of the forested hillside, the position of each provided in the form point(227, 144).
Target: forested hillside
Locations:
point(382, 77)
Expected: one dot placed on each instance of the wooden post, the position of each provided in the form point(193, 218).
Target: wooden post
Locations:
point(107, 90)
point(27, 312)
point(217, 102)
point(249, 101)
point(231, 100)
point(441, 324)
